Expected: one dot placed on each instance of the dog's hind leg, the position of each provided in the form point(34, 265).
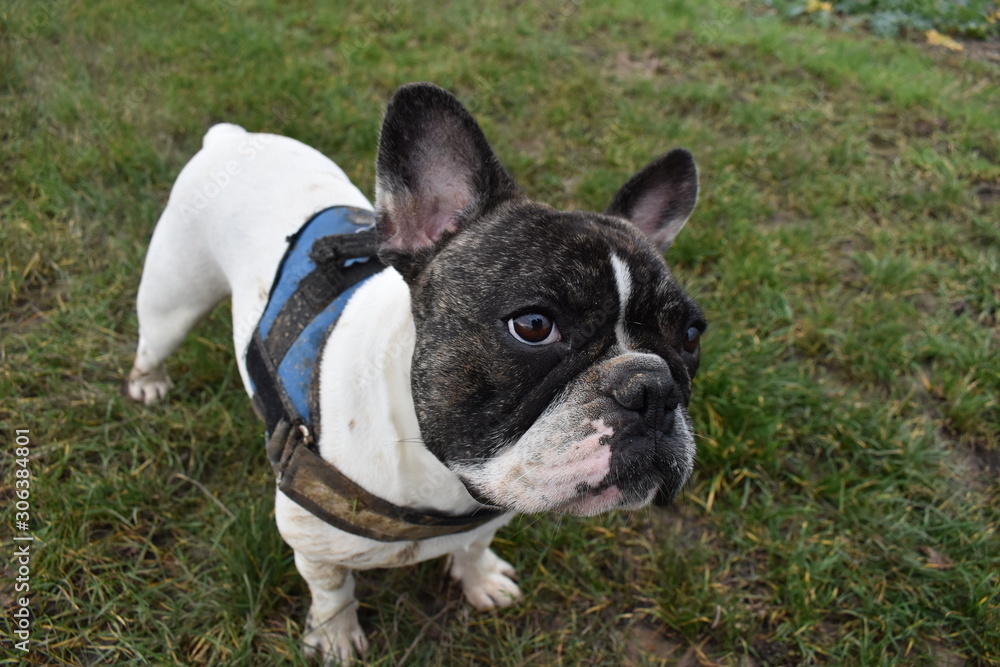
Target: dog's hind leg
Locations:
point(181, 283)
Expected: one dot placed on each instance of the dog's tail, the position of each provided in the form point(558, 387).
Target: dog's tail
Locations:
point(220, 131)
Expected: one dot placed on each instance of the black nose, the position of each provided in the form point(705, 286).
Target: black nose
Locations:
point(650, 392)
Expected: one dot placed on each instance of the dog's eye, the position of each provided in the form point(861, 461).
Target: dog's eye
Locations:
point(692, 340)
point(533, 329)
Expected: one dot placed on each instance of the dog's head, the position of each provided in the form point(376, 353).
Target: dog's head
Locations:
point(554, 351)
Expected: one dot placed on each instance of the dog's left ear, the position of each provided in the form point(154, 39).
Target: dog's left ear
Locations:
point(659, 199)
point(435, 173)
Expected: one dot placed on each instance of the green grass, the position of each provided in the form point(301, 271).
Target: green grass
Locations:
point(846, 248)
point(977, 19)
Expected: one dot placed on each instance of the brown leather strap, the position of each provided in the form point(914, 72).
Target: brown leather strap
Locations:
point(322, 489)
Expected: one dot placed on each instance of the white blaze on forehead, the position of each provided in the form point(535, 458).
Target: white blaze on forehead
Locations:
point(623, 281)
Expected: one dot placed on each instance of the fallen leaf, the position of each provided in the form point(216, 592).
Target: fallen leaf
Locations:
point(816, 6)
point(934, 38)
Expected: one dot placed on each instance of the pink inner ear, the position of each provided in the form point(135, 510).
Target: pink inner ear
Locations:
point(420, 219)
point(415, 224)
point(656, 215)
point(444, 193)
point(648, 211)
point(436, 220)
point(648, 216)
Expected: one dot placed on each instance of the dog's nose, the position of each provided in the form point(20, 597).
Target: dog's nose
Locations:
point(650, 392)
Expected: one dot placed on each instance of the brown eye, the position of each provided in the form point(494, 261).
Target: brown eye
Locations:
point(692, 340)
point(533, 329)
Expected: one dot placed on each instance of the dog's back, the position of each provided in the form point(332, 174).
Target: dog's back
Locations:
point(223, 233)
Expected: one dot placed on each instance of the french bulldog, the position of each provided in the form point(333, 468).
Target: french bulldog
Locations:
point(510, 357)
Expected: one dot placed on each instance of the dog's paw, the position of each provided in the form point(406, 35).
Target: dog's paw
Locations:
point(487, 580)
point(149, 386)
point(337, 640)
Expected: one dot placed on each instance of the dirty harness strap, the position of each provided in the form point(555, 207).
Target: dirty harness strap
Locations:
point(323, 490)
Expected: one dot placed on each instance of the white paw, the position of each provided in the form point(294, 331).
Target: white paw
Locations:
point(488, 582)
point(147, 387)
point(337, 640)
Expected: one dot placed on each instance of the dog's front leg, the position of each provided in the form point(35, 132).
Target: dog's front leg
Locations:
point(332, 627)
point(487, 580)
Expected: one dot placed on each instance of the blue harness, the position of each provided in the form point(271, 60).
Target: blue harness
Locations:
point(327, 261)
point(329, 258)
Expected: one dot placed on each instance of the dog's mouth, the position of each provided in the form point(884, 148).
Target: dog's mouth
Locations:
point(482, 498)
point(605, 498)
point(610, 466)
point(586, 499)
point(591, 502)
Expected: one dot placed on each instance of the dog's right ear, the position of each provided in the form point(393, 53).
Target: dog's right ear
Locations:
point(435, 173)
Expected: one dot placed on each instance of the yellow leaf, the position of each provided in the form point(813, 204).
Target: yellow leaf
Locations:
point(816, 6)
point(934, 38)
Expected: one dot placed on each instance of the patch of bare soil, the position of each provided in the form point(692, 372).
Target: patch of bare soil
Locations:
point(645, 641)
point(985, 51)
